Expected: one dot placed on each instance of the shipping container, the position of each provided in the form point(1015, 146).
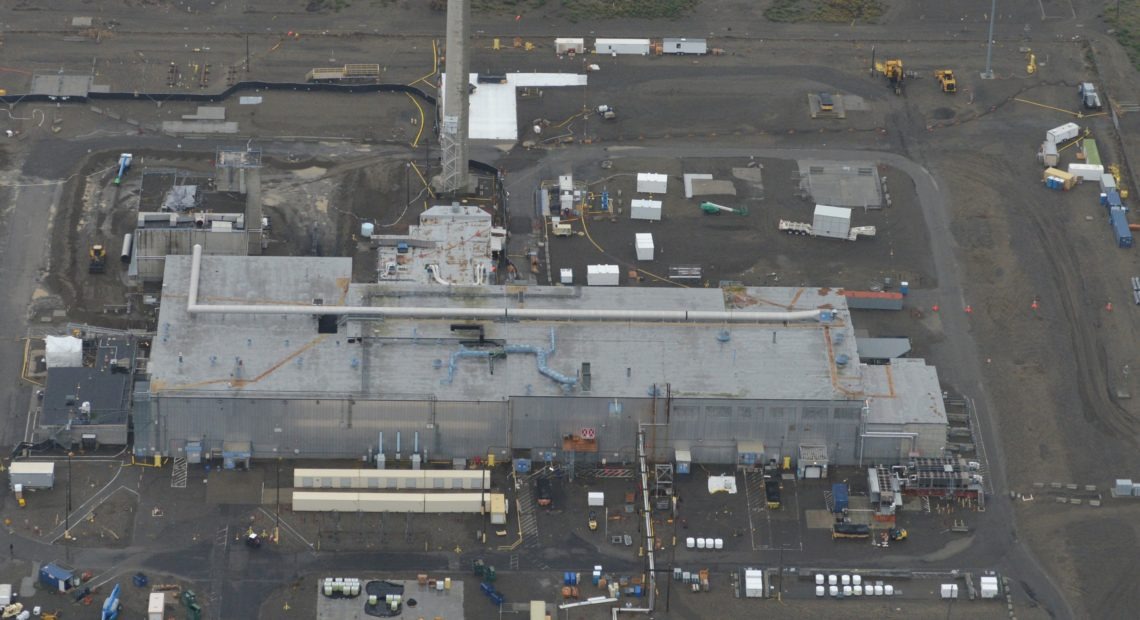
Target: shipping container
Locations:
point(569, 45)
point(1092, 153)
point(644, 245)
point(1112, 199)
point(651, 183)
point(643, 209)
point(32, 475)
point(325, 501)
point(498, 509)
point(602, 275)
point(58, 578)
point(1063, 133)
point(1086, 172)
point(1107, 182)
point(1067, 181)
point(839, 495)
point(622, 46)
point(684, 46)
point(1048, 154)
point(449, 502)
point(833, 222)
point(1119, 222)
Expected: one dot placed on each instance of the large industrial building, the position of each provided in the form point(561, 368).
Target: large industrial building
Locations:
point(286, 357)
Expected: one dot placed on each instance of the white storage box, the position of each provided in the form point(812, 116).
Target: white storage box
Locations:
point(566, 276)
point(642, 209)
point(569, 46)
point(834, 222)
point(602, 275)
point(644, 244)
point(949, 590)
point(651, 183)
point(595, 498)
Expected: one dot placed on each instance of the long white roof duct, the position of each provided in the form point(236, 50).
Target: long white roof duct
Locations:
point(548, 314)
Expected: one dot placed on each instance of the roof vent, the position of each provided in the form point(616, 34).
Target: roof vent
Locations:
point(723, 336)
point(841, 360)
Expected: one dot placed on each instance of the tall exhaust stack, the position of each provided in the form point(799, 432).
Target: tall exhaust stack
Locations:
point(453, 129)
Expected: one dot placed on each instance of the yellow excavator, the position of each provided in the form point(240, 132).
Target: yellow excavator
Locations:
point(890, 69)
point(946, 80)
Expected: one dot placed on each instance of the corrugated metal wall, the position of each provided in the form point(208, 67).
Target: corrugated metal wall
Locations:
point(338, 428)
point(152, 245)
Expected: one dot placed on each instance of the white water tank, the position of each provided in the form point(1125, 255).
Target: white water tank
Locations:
point(719, 544)
point(820, 590)
point(819, 578)
point(366, 230)
point(690, 542)
point(700, 543)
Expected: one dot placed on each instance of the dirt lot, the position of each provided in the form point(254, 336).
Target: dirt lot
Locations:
point(1057, 375)
point(747, 248)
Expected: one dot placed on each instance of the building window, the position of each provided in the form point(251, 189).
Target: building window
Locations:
point(777, 413)
point(684, 411)
point(847, 414)
point(815, 413)
point(744, 412)
point(718, 411)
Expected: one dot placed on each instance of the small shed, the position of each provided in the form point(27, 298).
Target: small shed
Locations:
point(58, 578)
point(684, 461)
point(569, 45)
point(32, 475)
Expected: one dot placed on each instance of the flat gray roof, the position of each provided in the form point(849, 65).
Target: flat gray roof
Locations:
point(276, 355)
point(906, 391)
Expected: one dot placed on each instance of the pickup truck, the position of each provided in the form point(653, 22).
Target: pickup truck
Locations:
point(772, 493)
point(542, 492)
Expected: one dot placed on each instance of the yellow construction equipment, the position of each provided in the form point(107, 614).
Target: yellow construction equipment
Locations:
point(97, 256)
point(1030, 62)
point(946, 80)
point(893, 71)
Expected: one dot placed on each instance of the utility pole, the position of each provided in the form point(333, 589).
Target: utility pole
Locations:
point(988, 74)
point(67, 514)
point(277, 513)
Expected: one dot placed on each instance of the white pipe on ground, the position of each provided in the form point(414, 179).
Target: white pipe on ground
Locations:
point(544, 314)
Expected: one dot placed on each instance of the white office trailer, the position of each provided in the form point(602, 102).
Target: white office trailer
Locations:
point(832, 222)
point(602, 275)
point(32, 475)
point(1063, 133)
point(569, 45)
point(645, 209)
point(1086, 172)
point(652, 183)
point(622, 46)
point(684, 46)
point(644, 245)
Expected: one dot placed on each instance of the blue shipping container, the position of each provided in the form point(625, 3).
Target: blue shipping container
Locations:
point(1112, 199)
point(1120, 229)
point(57, 578)
point(839, 494)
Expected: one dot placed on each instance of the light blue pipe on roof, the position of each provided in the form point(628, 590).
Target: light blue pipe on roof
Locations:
point(541, 356)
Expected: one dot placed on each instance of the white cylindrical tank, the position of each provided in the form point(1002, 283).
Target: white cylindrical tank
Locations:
point(846, 590)
point(366, 229)
point(833, 590)
point(878, 590)
point(819, 579)
point(719, 543)
point(128, 246)
point(700, 543)
point(857, 579)
point(889, 590)
point(832, 580)
point(857, 590)
point(845, 580)
point(820, 590)
point(690, 542)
